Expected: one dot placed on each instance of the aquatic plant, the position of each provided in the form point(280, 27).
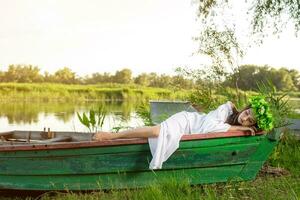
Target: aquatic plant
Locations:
point(94, 120)
point(143, 112)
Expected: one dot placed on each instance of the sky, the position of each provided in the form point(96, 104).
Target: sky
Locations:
point(105, 36)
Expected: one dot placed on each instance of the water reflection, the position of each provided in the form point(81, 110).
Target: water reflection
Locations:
point(62, 115)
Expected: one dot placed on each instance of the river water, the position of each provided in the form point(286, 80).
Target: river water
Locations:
point(62, 116)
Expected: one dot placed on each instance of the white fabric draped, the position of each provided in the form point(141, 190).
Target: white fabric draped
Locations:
point(172, 129)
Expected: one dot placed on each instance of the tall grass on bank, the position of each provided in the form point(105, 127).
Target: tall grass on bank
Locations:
point(52, 92)
point(262, 188)
point(63, 92)
point(287, 154)
point(267, 188)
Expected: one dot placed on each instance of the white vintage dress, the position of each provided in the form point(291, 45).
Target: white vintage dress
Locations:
point(172, 129)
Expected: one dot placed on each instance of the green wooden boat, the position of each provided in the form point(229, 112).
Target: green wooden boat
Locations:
point(46, 160)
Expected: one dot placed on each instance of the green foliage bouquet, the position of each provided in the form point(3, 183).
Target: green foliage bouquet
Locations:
point(263, 115)
point(278, 103)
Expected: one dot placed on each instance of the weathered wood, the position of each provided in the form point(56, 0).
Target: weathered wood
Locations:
point(257, 159)
point(78, 148)
point(28, 137)
point(200, 158)
point(120, 180)
point(125, 162)
point(57, 139)
point(118, 142)
point(4, 134)
point(28, 140)
point(40, 135)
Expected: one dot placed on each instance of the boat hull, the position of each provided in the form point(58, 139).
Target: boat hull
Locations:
point(94, 167)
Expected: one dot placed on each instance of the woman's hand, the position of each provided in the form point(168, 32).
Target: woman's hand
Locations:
point(251, 129)
point(243, 128)
point(100, 136)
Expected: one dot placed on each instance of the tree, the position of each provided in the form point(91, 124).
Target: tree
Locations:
point(153, 77)
point(2, 76)
point(282, 80)
point(65, 75)
point(98, 78)
point(246, 75)
point(218, 38)
point(48, 78)
point(181, 82)
point(295, 76)
point(23, 74)
point(265, 16)
point(249, 74)
point(142, 79)
point(123, 76)
point(162, 81)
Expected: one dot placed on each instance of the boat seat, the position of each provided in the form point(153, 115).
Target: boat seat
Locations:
point(57, 139)
point(6, 134)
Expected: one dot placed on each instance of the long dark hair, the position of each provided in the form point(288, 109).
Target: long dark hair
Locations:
point(233, 118)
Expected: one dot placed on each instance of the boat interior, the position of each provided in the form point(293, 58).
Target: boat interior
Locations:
point(42, 137)
point(52, 137)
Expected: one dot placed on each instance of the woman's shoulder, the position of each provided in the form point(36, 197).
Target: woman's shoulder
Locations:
point(230, 107)
point(231, 104)
point(228, 104)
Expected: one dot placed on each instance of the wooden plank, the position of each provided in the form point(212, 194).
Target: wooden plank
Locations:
point(257, 160)
point(122, 141)
point(56, 139)
point(212, 160)
point(217, 142)
point(121, 180)
point(4, 134)
point(40, 135)
point(125, 162)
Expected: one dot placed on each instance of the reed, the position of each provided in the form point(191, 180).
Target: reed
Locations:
point(62, 92)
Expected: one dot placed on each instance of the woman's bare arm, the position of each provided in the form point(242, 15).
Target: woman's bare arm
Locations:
point(142, 132)
point(242, 128)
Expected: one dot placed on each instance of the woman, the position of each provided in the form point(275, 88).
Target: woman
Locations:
point(164, 138)
point(238, 121)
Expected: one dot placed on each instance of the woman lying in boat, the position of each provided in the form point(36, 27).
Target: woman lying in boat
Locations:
point(164, 138)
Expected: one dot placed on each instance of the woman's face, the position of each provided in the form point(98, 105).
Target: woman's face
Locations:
point(246, 118)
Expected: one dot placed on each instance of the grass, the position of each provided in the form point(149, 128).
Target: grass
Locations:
point(62, 92)
point(266, 188)
point(261, 188)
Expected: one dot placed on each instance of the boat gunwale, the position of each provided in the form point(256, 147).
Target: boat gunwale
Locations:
point(119, 142)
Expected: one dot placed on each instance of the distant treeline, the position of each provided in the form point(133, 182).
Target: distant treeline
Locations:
point(248, 75)
point(32, 74)
point(245, 78)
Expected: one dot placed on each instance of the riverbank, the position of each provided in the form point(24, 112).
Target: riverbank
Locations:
point(52, 92)
point(64, 92)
